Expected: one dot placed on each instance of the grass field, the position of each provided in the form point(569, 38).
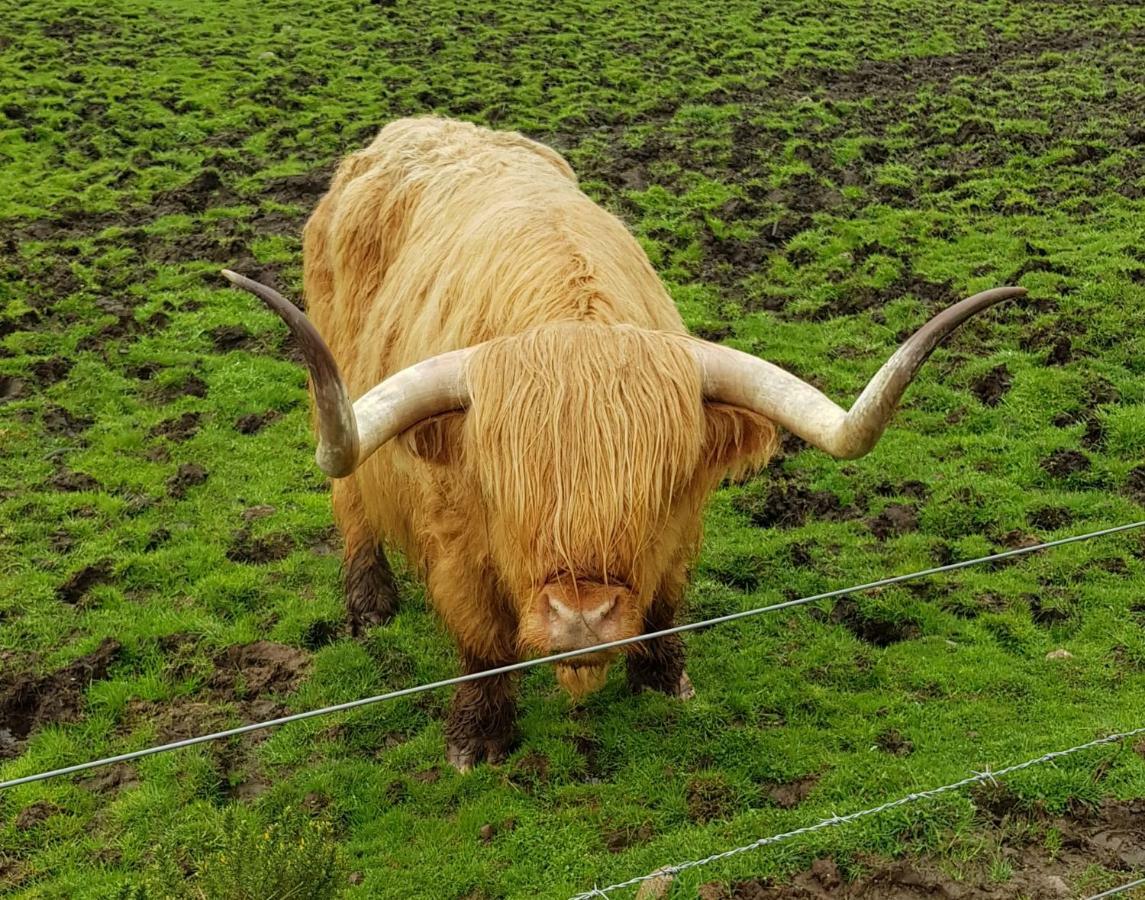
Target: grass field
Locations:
point(813, 179)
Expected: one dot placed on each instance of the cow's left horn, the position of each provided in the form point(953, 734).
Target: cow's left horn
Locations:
point(348, 434)
point(744, 380)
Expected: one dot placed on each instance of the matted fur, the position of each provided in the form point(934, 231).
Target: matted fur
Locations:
point(587, 448)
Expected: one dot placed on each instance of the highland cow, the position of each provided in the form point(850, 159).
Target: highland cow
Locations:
point(504, 391)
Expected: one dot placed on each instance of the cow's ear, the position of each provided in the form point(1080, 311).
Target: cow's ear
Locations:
point(437, 439)
point(737, 441)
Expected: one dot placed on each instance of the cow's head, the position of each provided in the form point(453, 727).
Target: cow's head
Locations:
point(591, 449)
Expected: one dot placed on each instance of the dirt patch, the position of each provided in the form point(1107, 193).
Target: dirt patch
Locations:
point(1135, 485)
point(1063, 463)
point(191, 386)
point(303, 190)
point(894, 520)
point(69, 482)
point(619, 840)
point(59, 422)
point(892, 741)
point(253, 423)
point(28, 702)
point(993, 386)
point(530, 772)
point(11, 388)
point(226, 338)
point(789, 503)
point(246, 548)
point(1050, 518)
point(47, 372)
point(74, 590)
point(31, 816)
point(111, 778)
point(245, 670)
point(181, 428)
point(710, 798)
point(189, 475)
point(872, 627)
point(791, 793)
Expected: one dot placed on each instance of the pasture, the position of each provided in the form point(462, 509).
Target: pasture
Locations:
point(812, 179)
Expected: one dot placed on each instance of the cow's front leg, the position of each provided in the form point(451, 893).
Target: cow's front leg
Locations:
point(482, 724)
point(367, 580)
point(658, 665)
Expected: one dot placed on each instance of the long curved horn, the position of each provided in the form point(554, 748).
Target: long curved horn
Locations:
point(740, 379)
point(348, 434)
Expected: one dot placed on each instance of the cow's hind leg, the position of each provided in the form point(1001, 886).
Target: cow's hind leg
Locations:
point(368, 581)
point(482, 724)
point(658, 665)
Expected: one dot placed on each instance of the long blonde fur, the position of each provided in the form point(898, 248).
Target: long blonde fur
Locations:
point(587, 449)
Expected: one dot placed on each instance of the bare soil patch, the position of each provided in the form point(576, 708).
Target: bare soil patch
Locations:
point(29, 702)
point(189, 475)
point(253, 423)
point(246, 548)
point(179, 429)
point(74, 590)
point(790, 503)
point(247, 670)
point(871, 627)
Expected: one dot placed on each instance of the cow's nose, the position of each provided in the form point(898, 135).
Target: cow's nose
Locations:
point(572, 626)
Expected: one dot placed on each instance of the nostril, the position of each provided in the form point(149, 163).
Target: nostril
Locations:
point(559, 610)
point(603, 611)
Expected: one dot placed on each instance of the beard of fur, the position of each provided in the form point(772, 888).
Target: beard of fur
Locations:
point(582, 435)
point(580, 681)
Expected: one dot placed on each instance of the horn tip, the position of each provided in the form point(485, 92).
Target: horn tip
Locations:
point(232, 277)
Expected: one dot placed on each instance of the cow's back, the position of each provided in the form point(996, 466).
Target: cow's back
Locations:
point(440, 235)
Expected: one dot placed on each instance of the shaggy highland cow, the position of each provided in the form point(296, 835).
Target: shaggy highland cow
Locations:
point(504, 391)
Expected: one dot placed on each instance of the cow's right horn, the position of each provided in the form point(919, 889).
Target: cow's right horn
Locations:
point(348, 434)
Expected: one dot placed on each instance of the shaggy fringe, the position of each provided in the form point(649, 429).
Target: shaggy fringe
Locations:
point(584, 435)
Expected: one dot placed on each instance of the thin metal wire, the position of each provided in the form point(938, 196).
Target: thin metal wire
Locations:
point(558, 657)
point(1121, 889)
point(976, 778)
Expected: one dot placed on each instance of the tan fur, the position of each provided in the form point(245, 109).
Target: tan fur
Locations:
point(587, 449)
point(580, 681)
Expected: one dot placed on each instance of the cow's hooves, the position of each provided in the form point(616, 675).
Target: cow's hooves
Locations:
point(463, 756)
point(363, 620)
point(684, 689)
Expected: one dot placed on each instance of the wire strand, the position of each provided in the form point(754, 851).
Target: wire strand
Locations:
point(1120, 889)
point(976, 778)
point(556, 657)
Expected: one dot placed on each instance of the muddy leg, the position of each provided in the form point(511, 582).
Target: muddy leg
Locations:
point(368, 581)
point(659, 665)
point(371, 595)
point(482, 722)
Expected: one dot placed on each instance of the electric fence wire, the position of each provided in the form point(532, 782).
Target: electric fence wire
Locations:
point(558, 657)
point(976, 778)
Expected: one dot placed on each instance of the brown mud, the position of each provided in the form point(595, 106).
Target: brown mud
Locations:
point(29, 702)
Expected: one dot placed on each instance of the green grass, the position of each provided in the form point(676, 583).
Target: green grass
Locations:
point(812, 180)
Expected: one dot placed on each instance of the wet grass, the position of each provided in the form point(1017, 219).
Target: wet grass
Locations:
point(812, 181)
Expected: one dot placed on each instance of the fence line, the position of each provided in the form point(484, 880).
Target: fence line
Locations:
point(976, 778)
point(558, 657)
point(1120, 889)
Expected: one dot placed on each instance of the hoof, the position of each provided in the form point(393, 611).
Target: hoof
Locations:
point(362, 621)
point(684, 689)
point(464, 756)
